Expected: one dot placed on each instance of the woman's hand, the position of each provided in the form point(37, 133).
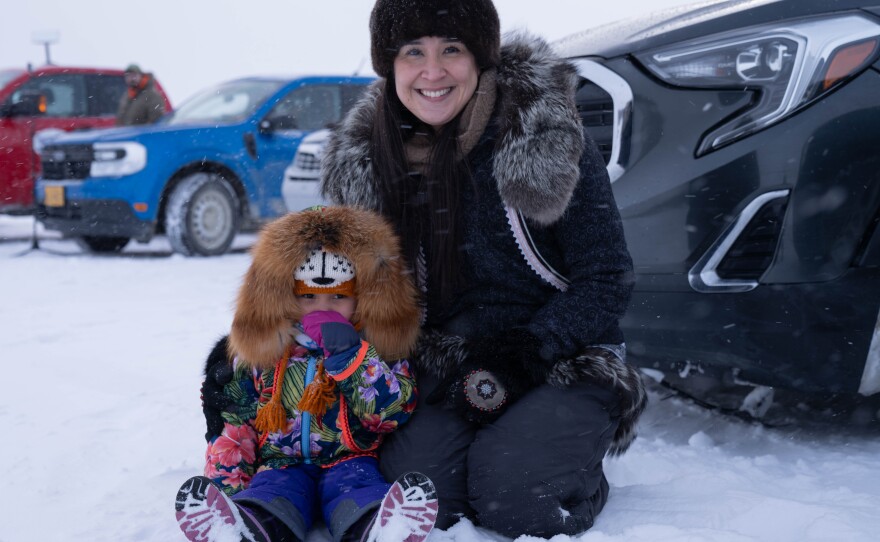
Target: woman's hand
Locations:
point(497, 371)
point(476, 394)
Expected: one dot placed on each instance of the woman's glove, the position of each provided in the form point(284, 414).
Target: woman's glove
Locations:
point(335, 335)
point(218, 373)
point(497, 371)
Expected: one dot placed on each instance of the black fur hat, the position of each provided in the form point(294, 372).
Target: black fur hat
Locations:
point(396, 22)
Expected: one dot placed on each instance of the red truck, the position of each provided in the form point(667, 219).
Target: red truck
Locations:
point(43, 99)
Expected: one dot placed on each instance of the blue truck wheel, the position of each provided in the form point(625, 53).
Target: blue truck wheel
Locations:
point(202, 215)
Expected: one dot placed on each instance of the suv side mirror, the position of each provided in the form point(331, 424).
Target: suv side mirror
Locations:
point(30, 104)
point(286, 122)
point(267, 126)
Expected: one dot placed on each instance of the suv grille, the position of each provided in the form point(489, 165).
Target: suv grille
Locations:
point(596, 109)
point(752, 253)
point(61, 162)
point(307, 161)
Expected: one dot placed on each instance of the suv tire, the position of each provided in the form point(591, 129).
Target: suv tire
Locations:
point(102, 245)
point(201, 218)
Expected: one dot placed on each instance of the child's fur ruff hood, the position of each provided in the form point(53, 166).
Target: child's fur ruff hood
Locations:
point(267, 309)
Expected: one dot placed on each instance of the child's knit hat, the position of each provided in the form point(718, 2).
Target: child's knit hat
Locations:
point(325, 272)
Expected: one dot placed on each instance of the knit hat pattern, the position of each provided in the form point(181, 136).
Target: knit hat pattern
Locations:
point(325, 272)
point(394, 23)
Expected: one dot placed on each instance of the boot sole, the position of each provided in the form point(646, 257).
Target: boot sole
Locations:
point(407, 513)
point(205, 514)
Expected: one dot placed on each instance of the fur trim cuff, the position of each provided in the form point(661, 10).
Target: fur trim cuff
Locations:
point(602, 367)
point(439, 354)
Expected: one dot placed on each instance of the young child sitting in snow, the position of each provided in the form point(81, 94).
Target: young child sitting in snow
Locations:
point(310, 399)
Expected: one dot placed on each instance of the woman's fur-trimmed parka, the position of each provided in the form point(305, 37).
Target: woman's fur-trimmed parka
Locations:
point(534, 155)
point(267, 308)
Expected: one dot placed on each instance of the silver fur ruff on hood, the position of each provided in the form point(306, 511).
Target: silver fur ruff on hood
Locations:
point(540, 140)
point(536, 166)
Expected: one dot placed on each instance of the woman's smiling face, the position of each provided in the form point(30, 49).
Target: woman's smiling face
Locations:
point(434, 78)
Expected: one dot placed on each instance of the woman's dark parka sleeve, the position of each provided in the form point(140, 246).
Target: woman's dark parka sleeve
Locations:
point(591, 240)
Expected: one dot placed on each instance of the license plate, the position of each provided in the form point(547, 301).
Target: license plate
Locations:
point(54, 196)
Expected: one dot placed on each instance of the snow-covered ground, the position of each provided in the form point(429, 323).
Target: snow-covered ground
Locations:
point(101, 422)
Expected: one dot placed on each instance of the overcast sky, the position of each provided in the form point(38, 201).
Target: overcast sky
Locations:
point(191, 44)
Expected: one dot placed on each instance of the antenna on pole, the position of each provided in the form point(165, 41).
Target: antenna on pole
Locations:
point(46, 38)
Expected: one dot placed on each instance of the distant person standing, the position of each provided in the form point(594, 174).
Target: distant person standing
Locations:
point(141, 104)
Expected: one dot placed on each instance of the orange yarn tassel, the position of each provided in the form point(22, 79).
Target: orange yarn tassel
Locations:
point(272, 417)
point(319, 394)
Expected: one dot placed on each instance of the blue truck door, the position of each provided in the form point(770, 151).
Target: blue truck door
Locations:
point(302, 110)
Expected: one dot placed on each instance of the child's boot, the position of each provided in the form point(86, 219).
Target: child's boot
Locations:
point(407, 513)
point(206, 514)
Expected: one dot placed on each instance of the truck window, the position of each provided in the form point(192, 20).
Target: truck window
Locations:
point(65, 94)
point(308, 108)
point(104, 93)
point(224, 104)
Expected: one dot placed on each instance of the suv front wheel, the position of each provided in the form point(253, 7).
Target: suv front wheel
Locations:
point(201, 217)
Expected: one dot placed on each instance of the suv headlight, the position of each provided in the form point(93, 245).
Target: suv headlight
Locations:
point(789, 64)
point(117, 159)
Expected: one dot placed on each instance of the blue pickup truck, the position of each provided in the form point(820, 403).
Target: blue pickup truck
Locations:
point(212, 168)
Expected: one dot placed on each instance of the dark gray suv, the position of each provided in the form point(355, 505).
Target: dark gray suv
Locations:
point(743, 142)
